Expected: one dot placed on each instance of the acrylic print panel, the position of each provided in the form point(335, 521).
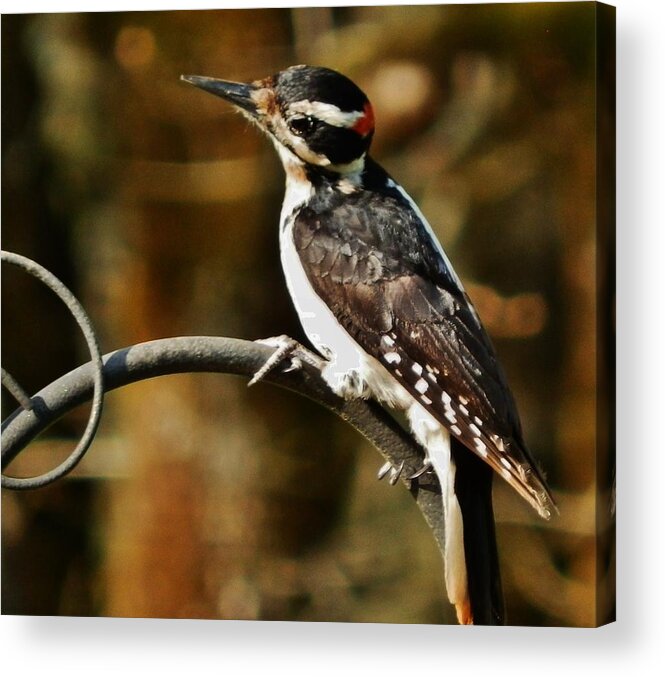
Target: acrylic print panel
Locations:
point(159, 207)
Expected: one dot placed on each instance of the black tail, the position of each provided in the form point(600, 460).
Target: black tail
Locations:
point(473, 486)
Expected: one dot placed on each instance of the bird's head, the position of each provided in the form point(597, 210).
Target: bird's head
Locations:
point(315, 116)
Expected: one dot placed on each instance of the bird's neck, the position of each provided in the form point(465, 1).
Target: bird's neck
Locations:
point(344, 177)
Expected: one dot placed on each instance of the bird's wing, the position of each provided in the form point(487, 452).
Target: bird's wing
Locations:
point(398, 299)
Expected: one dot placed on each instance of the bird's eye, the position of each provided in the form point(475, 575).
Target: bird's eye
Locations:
point(302, 125)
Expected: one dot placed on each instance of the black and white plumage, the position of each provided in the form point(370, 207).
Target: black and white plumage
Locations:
point(379, 299)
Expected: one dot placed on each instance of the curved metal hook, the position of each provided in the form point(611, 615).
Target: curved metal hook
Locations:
point(82, 319)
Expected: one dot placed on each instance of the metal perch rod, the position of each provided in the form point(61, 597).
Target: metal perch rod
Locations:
point(221, 355)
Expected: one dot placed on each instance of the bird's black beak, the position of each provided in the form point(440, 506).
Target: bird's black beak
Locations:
point(237, 93)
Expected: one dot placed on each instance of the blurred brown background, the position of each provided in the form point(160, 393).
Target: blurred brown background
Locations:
point(159, 208)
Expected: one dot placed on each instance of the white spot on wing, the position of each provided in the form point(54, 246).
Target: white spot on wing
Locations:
point(417, 368)
point(474, 429)
point(455, 430)
point(387, 340)
point(480, 446)
point(392, 358)
point(422, 386)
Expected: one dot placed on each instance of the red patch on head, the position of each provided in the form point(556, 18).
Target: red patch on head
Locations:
point(365, 124)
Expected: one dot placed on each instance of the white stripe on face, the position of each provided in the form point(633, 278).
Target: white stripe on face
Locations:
point(326, 112)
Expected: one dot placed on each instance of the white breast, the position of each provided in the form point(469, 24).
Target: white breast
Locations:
point(351, 371)
point(321, 326)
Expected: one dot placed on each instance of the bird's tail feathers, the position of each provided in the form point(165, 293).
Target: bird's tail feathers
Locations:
point(473, 490)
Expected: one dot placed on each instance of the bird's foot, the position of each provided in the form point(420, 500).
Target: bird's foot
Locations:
point(285, 348)
point(346, 383)
point(395, 472)
point(425, 468)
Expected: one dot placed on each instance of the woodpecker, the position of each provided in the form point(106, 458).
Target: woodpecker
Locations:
point(379, 299)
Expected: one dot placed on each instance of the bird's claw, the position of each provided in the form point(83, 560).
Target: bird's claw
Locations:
point(383, 470)
point(425, 468)
point(284, 347)
point(395, 472)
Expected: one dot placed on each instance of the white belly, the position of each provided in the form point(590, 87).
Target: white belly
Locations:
point(348, 363)
point(318, 321)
